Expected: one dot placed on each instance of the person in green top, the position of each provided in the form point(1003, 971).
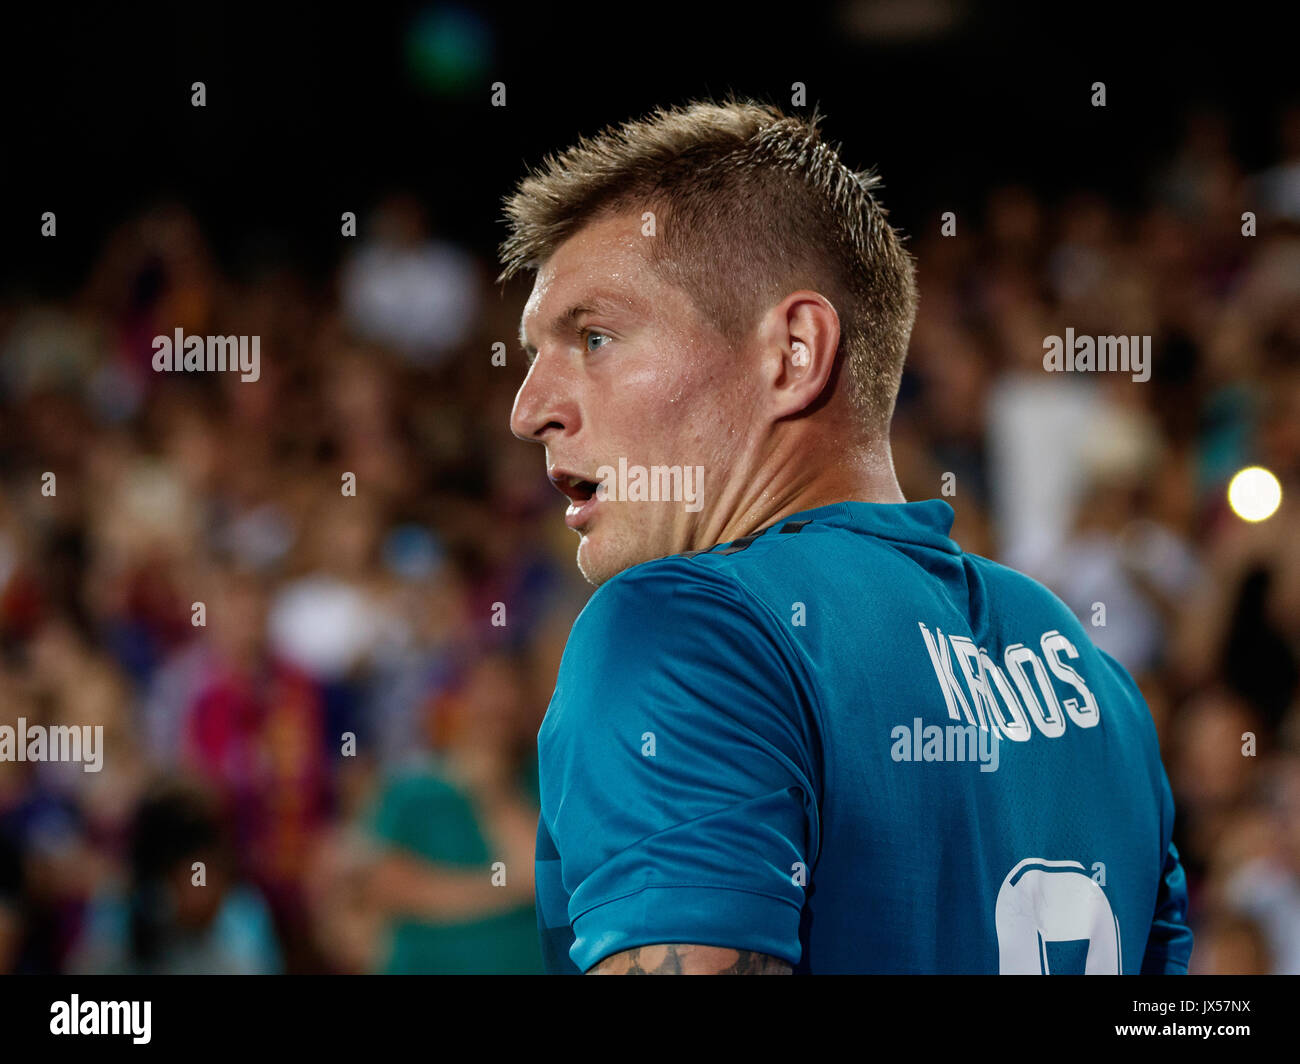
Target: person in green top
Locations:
point(456, 832)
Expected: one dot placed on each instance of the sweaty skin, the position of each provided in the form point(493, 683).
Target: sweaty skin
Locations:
point(627, 367)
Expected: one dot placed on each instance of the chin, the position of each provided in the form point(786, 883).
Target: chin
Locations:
point(599, 560)
point(593, 563)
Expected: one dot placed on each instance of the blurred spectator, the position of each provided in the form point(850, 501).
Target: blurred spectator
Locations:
point(182, 911)
point(454, 878)
point(1266, 888)
point(415, 294)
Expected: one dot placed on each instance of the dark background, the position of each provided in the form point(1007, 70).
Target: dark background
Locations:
point(311, 112)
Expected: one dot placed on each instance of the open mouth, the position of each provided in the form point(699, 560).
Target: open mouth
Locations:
point(581, 493)
point(577, 488)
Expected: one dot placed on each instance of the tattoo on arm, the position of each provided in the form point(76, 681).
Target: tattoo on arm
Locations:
point(680, 959)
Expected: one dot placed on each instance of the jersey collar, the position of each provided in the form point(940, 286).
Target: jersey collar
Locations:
point(928, 523)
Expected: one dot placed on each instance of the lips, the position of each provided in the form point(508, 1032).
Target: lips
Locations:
point(580, 489)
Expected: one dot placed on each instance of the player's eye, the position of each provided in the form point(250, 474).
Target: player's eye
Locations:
point(588, 336)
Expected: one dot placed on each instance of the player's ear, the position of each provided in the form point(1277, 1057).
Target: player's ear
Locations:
point(800, 337)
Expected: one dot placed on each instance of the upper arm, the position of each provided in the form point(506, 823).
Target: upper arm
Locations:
point(677, 779)
point(685, 959)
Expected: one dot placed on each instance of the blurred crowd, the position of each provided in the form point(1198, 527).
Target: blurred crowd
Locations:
point(343, 751)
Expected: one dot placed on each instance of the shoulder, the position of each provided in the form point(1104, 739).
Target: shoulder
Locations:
point(663, 600)
point(1017, 594)
point(732, 582)
point(1012, 582)
point(1021, 596)
point(661, 639)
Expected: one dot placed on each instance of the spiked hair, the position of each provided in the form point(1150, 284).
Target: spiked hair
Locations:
point(750, 204)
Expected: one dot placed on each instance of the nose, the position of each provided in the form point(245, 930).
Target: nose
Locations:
point(544, 404)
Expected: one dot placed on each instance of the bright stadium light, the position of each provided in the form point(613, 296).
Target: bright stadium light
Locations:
point(1254, 494)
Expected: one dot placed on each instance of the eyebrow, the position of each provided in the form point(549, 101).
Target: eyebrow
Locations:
point(565, 320)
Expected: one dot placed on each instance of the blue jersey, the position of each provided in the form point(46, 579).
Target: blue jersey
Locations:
point(846, 743)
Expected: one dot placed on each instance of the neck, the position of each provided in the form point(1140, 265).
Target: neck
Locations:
point(792, 484)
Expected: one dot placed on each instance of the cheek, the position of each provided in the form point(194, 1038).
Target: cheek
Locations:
point(722, 417)
point(650, 409)
point(679, 406)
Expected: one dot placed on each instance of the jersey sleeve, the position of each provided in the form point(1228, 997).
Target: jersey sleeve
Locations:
point(679, 769)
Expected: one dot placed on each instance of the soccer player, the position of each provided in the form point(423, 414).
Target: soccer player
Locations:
point(796, 727)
